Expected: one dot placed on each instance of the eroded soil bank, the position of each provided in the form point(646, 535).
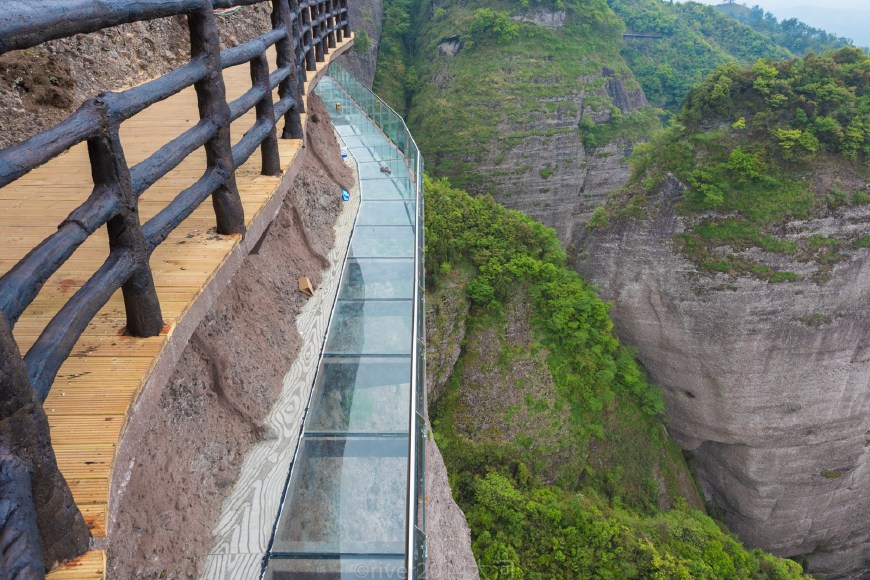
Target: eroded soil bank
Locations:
point(184, 446)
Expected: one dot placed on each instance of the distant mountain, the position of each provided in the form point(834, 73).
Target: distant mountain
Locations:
point(695, 40)
point(791, 33)
point(854, 24)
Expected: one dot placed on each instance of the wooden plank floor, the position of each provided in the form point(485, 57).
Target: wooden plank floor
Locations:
point(90, 398)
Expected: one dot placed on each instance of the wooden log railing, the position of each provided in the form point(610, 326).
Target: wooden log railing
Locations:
point(302, 33)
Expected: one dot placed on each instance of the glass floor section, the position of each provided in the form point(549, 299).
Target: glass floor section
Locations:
point(346, 502)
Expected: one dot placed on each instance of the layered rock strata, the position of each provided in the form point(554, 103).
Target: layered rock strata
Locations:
point(766, 384)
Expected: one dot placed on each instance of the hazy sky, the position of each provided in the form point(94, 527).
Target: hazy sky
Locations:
point(849, 18)
point(778, 5)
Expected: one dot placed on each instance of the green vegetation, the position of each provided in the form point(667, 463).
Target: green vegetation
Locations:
point(574, 475)
point(493, 25)
point(695, 40)
point(791, 33)
point(362, 42)
point(396, 78)
point(747, 142)
point(507, 82)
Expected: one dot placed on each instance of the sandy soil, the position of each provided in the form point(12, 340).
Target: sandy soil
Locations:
point(41, 86)
point(185, 451)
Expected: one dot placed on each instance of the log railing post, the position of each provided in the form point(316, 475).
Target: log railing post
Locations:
point(330, 23)
point(322, 13)
point(316, 32)
point(339, 36)
point(287, 56)
point(346, 27)
point(266, 112)
point(298, 40)
point(112, 175)
point(308, 38)
point(20, 555)
point(212, 100)
point(24, 431)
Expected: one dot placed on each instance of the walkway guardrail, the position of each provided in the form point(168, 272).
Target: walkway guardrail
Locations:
point(302, 33)
point(395, 128)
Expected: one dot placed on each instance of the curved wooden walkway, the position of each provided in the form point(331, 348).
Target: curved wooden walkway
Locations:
point(96, 388)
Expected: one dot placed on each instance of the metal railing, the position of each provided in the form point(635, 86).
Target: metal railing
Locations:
point(394, 127)
point(302, 32)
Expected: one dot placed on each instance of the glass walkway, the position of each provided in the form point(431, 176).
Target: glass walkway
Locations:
point(353, 506)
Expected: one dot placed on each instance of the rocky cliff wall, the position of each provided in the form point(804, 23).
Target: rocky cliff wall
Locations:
point(365, 16)
point(543, 122)
point(766, 384)
point(543, 167)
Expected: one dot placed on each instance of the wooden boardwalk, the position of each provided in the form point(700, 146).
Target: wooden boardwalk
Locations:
point(94, 390)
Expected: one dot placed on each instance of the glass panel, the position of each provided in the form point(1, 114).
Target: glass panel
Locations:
point(378, 278)
point(374, 170)
point(387, 213)
point(387, 189)
point(345, 568)
point(361, 396)
point(347, 495)
point(419, 570)
point(382, 242)
point(370, 328)
point(361, 154)
point(354, 141)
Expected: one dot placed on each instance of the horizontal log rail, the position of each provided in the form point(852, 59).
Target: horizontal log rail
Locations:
point(302, 33)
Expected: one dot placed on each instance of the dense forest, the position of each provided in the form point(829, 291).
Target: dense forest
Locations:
point(695, 39)
point(567, 471)
point(751, 145)
point(798, 37)
point(505, 68)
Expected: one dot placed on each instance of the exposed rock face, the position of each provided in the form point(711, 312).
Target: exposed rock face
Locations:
point(550, 175)
point(367, 16)
point(544, 17)
point(448, 535)
point(766, 384)
point(450, 46)
point(445, 330)
point(448, 538)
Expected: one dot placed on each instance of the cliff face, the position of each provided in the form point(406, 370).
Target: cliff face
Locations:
point(539, 164)
point(365, 16)
point(766, 384)
point(541, 118)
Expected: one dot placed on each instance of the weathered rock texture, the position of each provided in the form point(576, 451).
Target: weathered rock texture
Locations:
point(563, 181)
point(448, 539)
point(766, 384)
point(365, 16)
point(540, 166)
point(545, 17)
point(449, 552)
